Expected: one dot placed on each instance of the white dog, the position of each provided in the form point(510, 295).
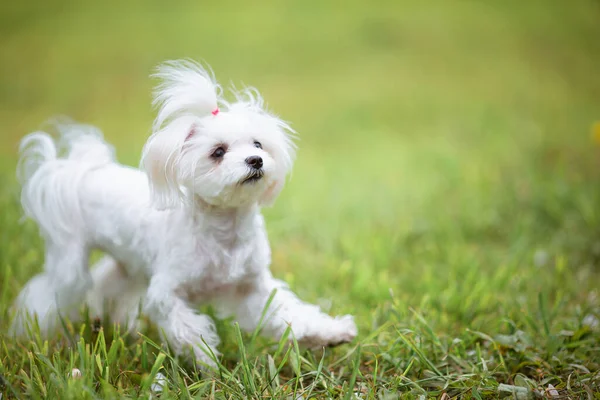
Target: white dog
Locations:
point(186, 232)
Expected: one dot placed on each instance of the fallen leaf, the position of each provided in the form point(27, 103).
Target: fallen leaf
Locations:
point(551, 391)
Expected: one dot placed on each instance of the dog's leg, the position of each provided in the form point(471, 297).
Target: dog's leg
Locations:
point(115, 293)
point(59, 290)
point(35, 300)
point(311, 327)
point(181, 326)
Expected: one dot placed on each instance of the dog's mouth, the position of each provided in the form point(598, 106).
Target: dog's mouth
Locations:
point(254, 176)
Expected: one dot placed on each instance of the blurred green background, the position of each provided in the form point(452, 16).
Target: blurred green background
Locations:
point(445, 118)
point(445, 147)
point(466, 120)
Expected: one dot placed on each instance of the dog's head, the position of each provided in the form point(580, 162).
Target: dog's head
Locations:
point(226, 154)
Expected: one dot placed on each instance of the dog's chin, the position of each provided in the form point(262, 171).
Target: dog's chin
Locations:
point(247, 190)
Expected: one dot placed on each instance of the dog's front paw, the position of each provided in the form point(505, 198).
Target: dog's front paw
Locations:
point(348, 329)
point(337, 331)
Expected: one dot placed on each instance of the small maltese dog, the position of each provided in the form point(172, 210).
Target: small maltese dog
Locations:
point(186, 230)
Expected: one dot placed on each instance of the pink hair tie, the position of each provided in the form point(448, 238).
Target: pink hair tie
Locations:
point(215, 111)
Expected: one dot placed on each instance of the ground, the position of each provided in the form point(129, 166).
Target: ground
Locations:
point(446, 191)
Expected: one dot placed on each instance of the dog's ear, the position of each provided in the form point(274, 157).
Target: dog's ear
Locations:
point(161, 162)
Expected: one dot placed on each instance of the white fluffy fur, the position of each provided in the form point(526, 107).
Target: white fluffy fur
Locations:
point(184, 231)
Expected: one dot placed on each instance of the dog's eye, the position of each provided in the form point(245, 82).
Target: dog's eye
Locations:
point(218, 152)
point(257, 144)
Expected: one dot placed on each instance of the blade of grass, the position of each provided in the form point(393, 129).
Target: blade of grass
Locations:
point(419, 353)
point(355, 369)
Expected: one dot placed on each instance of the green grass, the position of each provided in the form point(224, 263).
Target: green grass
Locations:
point(446, 192)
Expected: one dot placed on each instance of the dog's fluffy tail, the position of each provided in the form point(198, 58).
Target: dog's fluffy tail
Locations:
point(50, 172)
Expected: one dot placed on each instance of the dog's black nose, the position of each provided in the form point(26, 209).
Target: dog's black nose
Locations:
point(255, 162)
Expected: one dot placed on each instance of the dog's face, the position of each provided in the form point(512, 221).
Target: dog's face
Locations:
point(235, 158)
point(228, 158)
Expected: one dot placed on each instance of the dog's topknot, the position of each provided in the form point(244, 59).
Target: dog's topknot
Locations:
point(186, 88)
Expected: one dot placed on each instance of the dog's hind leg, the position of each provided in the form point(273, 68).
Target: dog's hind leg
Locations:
point(58, 291)
point(115, 293)
point(35, 300)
